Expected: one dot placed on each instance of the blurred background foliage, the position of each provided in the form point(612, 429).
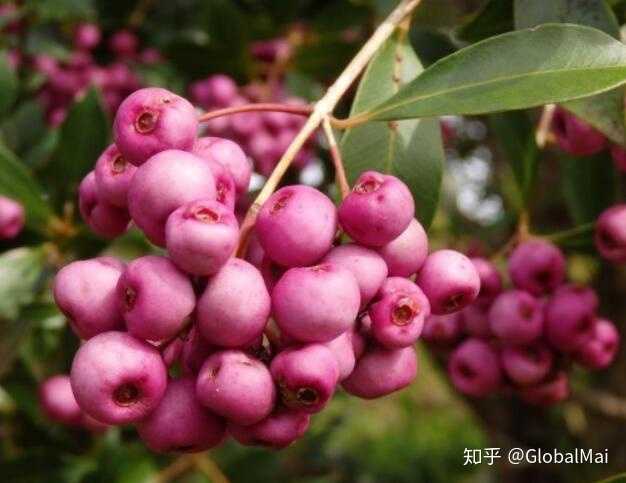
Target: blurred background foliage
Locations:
point(416, 435)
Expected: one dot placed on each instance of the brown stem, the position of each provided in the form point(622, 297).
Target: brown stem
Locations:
point(258, 107)
point(606, 403)
point(178, 467)
point(340, 173)
point(543, 134)
point(205, 464)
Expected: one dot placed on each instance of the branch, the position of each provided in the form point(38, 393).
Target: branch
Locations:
point(205, 464)
point(258, 107)
point(340, 173)
point(604, 402)
point(178, 467)
point(543, 134)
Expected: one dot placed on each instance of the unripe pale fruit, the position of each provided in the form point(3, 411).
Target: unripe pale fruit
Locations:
point(610, 235)
point(600, 350)
point(278, 430)
point(398, 318)
point(449, 280)
point(343, 350)
point(316, 304)
point(201, 235)
point(546, 393)
point(85, 291)
point(113, 177)
point(526, 365)
point(155, 298)
point(237, 387)
point(490, 281)
point(475, 321)
point(306, 376)
point(230, 155)
point(537, 267)
point(296, 225)
point(377, 210)
point(165, 182)
point(406, 254)
point(103, 218)
point(179, 424)
point(367, 266)
point(117, 378)
point(442, 330)
point(57, 401)
point(152, 120)
point(516, 317)
point(575, 136)
point(235, 305)
point(11, 218)
point(380, 371)
point(474, 368)
point(570, 316)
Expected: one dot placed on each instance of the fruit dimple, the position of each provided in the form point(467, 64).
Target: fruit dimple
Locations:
point(205, 215)
point(404, 311)
point(126, 394)
point(367, 186)
point(307, 396)
point(280, 203)
point(454, 302)
point(118, 165)
point(130, 297)
point(146, 122)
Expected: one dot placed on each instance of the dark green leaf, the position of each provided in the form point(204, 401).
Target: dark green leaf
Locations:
point(411, 149)
point(8, 84)
point(496, 17)
point(553, 63)
point(25, 127)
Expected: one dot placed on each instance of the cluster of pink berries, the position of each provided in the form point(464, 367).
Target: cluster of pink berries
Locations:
point(260, 344)
point(12, 218)
point(265, 136)
point(521, 340)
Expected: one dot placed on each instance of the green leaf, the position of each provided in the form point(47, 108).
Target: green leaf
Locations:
point(411, 150)
point(496, 17)
point(605, 112)
point(8, 84)
point(552, 63)
point(16, 182)
point(20, 270)
point(25, 127)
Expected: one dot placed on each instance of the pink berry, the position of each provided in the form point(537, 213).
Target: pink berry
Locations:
point(228, 154)
point(179, 424)
point(57, 401)
point(382, 371)
point(201, 236)
point(343, 350)
point(235, 305)
point(194, 352)
point(296, 225)
point(377, 210)
point(367, 266)
point(155, 298)
point(490, 281)
point(610, 236)
point(152, 120)
point(475, 321)
point(237, 387)
point(526, 365)
point(118, 379)
point(551, 391)
point(87, 36)
point(103, 218)
point(570, 318)
point(11, 218)
point(113, 177)
point(165, 182)
point(516, 317)
point(537, 267)
point(278, 430)
point(575, 136)
point(123, 43)
point(406, 254)
point(600, 350)
point(85, 291)
point(449, 280)
point(315, 304)
point(172, 351)
point(217, 90)
point(442, 330)
point(474, 368)
point(619, 157)
point(306, 377)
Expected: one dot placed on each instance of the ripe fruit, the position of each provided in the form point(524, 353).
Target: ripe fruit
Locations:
point(11, 218)
point(103, 218)
point(343, 350)
point(537, 266)
point(551, 391)
point(490, 281)
point(526, 365)
point(610, 236)
point(475, 321)
point(575, 136)
point(570, 318)
point(228, 154)
point(516, 317)
point(406, 254)
point(57, 401)
point(278, 430)
point(442, 330)
point(87, 36)
point(474, 368)
point(113, 176)
point(601, 348)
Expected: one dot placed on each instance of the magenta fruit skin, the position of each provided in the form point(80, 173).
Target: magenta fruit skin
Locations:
point(367, 266)
point(12, 218)
point(306, 376)
point(474, 368)
point(398, 319)
point(226, 191)
point(234, 308)
point(600, 350)
point(619, 157)
point(570, 316)
point(87, 36)
point(380, 371)
point(194, 352)
point(490, 281)
point(172, 351)
point(475, 321)
point(316, 304)
point(610, 234)
point(516, 317)
point(113, 177)
point(449, 280)
point(296, 225)
point(57, 401)
point(343, 350)
point(278, 430)
point(123, 43)
point(201, 236)
point(165, 182)
point(406, 254)
point(537, 267)
point(117, 378)
point(443, 330)
point(377, 210)
point(155, 298)
point(179, 424)
point(575, 136)
point(217, 90)
point(526, 365)
point(104, 219)
point(397, 285)
point(546, 393)
point(85, 291)
point(152, 120)
point(237, 387)
point(228, 154)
